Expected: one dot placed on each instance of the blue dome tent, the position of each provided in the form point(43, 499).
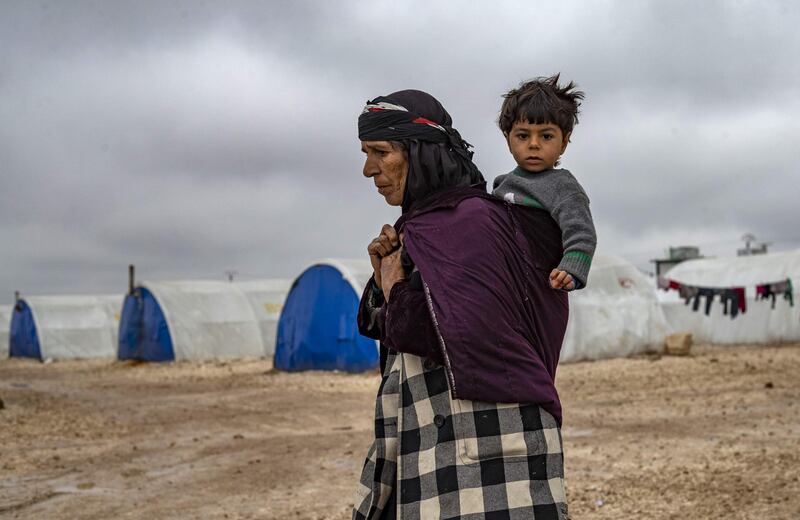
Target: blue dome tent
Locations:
point(317, 328)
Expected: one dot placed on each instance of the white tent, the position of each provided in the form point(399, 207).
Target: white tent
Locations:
point(616, 315)
point(267, 298)
point(761, 323)
point(62, 327)
point(5, 326)
point(189, 320)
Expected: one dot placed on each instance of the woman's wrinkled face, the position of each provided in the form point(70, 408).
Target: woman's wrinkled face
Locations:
point(387, 166)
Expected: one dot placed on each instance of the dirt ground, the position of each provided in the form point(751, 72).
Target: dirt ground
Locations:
point(712, 435)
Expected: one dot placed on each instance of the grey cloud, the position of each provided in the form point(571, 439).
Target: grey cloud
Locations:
point(194, 137)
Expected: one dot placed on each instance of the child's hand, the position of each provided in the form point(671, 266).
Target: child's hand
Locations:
point(561, 280)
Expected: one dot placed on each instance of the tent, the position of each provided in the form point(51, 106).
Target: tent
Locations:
point(317, 329)
point(5, 326)
point(616, 315)
point(165, 321)
point(760, 323)
point(62, 327)
point(266, 298)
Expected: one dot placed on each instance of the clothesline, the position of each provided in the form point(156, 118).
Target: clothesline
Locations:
point(733, 299)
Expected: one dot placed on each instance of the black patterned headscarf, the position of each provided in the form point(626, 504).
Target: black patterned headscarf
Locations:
point(437, 155)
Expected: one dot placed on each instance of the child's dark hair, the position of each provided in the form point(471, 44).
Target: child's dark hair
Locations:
point(541, 101)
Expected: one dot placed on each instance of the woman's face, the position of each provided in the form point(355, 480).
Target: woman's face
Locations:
point(387, 166)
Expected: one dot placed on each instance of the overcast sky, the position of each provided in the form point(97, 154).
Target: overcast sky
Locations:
point(191, 138)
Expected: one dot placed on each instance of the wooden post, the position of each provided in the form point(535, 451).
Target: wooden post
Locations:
point(131, 281)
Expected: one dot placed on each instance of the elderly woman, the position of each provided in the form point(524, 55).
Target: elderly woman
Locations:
point(467, 418)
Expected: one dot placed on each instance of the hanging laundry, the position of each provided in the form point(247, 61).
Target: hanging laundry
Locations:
point(770, 291)
point(784, 289)
point(733, 301)
point(740, 293)
point(732, 298)
point(687, 292)
point(728, 304)
point(708, 294)
point(693, 294)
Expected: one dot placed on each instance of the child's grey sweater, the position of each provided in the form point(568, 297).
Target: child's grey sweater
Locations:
point(558, 192)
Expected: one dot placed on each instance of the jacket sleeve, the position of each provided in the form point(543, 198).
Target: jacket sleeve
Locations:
point(404, 323)
point(370, 311)
point(578, 236)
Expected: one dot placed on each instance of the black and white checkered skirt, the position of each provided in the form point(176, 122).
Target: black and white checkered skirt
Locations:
point(451, 458)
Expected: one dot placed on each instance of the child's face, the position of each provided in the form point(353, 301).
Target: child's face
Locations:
point(536, 147)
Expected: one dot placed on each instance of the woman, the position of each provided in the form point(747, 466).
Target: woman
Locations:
point(467, 417)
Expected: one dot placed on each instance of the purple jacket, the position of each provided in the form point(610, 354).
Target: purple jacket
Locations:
point(483, 306)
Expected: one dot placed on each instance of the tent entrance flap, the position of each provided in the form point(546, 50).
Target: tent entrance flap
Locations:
point(317, 328)
point(23, 338)
point(143, 330)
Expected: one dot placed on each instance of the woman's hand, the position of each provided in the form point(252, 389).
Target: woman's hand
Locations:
point(391, 272)
point(382, 246)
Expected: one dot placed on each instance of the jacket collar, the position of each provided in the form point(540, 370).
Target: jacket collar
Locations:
point(443, 199)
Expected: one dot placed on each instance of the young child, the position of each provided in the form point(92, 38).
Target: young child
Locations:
point(537, 120)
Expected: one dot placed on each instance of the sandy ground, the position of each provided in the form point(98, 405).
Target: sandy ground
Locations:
point(713, 435)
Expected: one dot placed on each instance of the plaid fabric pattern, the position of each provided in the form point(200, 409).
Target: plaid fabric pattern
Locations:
point(379, 474)
point(451, 458)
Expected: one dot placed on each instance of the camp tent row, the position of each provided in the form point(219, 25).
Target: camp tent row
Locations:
point(617, 315)
point(193, 320)
point(310, 323)
point(313, 324)
point(160, 321)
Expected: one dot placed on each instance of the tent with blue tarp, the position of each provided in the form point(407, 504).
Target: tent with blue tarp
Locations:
point(165, 321)
point(317, 329)
point(65, 327)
